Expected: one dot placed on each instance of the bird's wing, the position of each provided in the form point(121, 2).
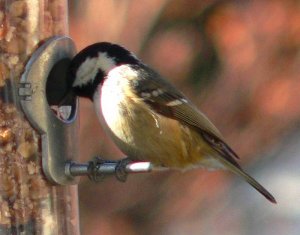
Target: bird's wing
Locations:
point(166, 100)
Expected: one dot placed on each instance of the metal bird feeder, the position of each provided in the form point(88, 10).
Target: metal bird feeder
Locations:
point(32, 200)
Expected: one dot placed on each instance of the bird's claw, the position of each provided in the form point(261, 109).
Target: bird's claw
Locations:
point(94, 169)
point(120, 169)
point(96, 175)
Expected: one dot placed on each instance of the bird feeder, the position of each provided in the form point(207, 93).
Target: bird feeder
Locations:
point(38, 139)
point(35, 198)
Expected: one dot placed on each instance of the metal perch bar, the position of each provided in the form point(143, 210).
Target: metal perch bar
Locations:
point(106, 168)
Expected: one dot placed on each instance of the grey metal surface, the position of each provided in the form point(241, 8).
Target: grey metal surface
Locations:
point(59, 137)
point(107, 168)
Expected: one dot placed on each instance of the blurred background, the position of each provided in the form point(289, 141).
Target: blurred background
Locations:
point(239, 61)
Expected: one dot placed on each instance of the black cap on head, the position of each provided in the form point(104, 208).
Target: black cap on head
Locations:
point(114, 51)
point(113, 54)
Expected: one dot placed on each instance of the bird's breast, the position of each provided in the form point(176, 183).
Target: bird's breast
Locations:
point(143, 134)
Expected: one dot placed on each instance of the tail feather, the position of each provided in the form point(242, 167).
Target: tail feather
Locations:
point(227, 157)
point(249, 179)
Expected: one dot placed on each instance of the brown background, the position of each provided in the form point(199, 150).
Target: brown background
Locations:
point(239, 61)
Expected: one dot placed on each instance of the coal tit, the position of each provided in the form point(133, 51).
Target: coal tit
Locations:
point(146, 116)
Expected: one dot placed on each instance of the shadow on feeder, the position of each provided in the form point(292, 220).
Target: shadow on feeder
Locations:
point(64, 106)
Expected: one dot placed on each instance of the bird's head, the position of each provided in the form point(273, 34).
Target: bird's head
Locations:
point(91, 65)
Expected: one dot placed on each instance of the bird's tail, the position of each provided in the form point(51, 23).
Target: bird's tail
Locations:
point(249, 179)
point(228, 157)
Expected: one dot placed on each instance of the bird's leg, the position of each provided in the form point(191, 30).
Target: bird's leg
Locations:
point(120, 169)
point(94, 169)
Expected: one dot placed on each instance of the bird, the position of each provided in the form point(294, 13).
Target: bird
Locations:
point(146, 116)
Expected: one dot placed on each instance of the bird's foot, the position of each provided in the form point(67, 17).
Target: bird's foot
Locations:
point(120, 169)
point(94, 169)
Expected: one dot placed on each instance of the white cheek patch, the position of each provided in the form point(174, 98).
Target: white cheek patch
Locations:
point(88, 70)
